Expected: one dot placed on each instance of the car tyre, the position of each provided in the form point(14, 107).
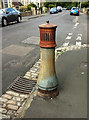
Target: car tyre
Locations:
point(4, 22)
point(19, 19)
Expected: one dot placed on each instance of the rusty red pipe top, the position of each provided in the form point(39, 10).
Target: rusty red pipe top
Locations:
point(47, 25)
point(47, 35)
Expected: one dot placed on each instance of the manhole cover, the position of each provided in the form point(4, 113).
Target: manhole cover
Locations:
point(22, 85)
point(32, 40)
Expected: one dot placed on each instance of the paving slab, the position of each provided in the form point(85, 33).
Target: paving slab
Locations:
point(32, 17)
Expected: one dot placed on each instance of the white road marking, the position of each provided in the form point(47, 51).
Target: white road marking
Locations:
point(68, 37)
point(65, 44)
point(80, 35)
point(70, 34)
point(79, 43)
point(75, 26)
point(78, 38)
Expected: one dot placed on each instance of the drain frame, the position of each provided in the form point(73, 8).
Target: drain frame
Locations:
point(22, 85)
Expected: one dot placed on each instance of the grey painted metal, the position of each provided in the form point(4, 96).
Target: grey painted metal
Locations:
point(47, 79)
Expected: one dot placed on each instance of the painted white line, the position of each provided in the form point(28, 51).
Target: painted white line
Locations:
point(78, 38)
point(80, 35)
point(68, 37)
point(65, 44)
point(79, 43)
point(70, 34)
point(76, 24)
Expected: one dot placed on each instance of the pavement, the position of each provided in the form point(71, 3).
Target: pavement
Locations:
point(32, 17)
point(71, 70)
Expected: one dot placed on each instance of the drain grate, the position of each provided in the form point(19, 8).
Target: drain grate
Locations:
point(22, 85)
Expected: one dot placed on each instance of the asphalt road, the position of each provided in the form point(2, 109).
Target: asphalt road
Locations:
point(19, 56)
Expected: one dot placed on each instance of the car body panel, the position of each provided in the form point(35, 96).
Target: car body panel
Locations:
point(59, 8)
point(9, 14)
point(74, 11)
point(53, 10)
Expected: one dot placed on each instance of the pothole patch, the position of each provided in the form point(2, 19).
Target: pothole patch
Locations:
point(17, 50)
point(32, 40)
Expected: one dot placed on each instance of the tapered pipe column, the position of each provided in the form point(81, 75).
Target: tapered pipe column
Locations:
point(47, 81)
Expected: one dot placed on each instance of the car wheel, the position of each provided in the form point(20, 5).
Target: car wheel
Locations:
point(4, 22)
point(19, 19)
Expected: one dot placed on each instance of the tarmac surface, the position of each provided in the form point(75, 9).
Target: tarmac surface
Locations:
point(71, 70)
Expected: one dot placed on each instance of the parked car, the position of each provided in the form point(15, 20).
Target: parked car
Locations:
point(74, 11)
point(59, 8)
point(53, 10)
point(8, 15)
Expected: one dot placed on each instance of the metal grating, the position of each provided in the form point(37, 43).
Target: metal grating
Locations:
point(22, 85)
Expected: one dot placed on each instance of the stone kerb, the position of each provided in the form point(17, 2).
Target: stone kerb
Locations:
point(12, 103)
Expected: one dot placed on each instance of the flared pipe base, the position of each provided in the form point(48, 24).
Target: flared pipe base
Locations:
point(48, 94)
